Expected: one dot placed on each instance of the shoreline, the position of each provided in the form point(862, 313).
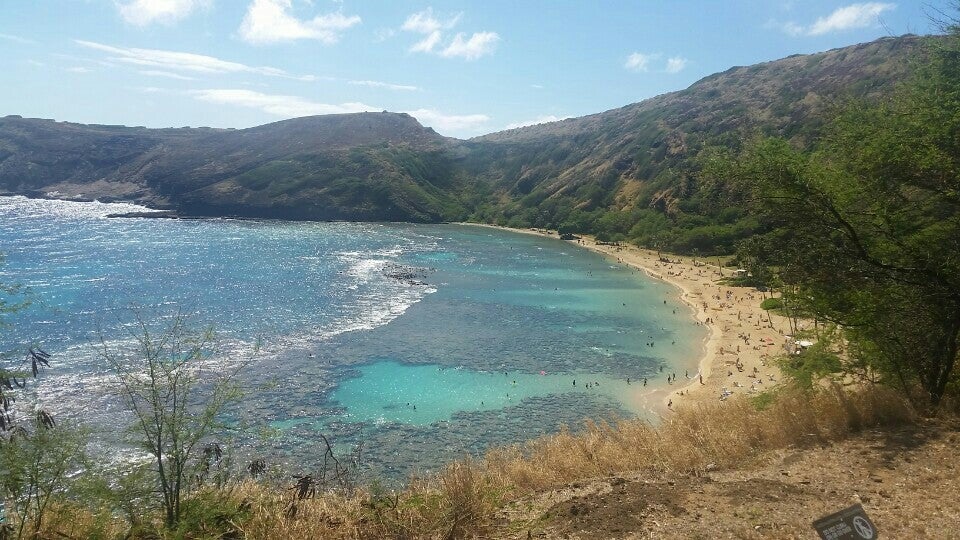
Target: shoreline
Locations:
point(741, 336)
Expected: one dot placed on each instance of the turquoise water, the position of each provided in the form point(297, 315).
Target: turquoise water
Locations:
point(420, 395)
point(357, 322)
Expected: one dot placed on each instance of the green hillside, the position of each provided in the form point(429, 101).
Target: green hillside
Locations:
point(634, 173)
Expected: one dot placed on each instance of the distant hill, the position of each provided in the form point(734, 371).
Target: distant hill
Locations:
point(629, 173)
point(367, 166)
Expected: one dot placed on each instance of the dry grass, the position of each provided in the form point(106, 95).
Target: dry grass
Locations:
point(454, 504)
point(696, 439)
point(460, 502)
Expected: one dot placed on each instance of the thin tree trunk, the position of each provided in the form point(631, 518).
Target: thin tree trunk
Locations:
point(945, 366)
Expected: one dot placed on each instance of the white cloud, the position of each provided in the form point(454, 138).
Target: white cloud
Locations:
point(675, 64)
point(640, 61)
point(644, 62)
point(389, 86)
point(34, 63)
point(538, 120)
point(479, 44)
point(428, 43)
point(843, 18)
point(150, 90)
point(279, 105)
point(17, 39)
point(852, 16)
point(537, 86)
point(269, 21)
point(294, 106)
point(448, 123)
point(79, 69)
point(181, 61)
point(144, 12)
point(793, 28)
point(424, 22)
point(432, 29)
point(167, 74)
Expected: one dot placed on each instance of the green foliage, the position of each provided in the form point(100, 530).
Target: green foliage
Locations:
point(127, 490)
point(811, 365)
point(176, 398)
point(764, 400)
point(211, 513)
point(865, 231)
point(35, 469)
point(771, 303)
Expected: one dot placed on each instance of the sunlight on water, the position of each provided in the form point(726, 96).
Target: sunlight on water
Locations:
point(357, 321)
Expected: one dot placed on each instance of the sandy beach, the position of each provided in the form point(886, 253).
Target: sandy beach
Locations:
point(742, 337)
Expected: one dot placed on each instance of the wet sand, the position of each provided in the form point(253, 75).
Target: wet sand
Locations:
point(742, 337)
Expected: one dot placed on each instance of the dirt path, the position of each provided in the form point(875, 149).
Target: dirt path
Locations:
point(907, 481)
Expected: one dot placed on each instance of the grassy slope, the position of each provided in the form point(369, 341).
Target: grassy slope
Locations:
point(728, 470)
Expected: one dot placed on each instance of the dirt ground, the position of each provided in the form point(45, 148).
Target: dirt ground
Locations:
point(906, 479)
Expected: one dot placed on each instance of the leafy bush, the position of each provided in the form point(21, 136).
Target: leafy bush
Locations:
point(771, 303)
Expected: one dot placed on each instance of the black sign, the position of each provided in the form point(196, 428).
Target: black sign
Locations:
point(848, 524)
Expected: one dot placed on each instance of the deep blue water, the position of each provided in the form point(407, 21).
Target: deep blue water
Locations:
point(426, 341)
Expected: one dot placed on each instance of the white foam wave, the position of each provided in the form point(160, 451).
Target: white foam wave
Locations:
point(20, 205)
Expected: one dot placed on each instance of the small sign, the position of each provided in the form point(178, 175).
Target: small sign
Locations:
point(848, 524)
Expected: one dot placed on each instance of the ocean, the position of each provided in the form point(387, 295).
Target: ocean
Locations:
point(425, 342)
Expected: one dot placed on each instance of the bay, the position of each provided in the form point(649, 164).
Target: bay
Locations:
point(426, 342)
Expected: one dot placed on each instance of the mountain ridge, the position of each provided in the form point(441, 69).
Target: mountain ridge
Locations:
point(628, 173)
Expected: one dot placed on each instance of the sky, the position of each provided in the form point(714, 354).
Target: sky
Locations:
point(463, 67)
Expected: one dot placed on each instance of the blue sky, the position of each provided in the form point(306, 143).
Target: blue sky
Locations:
point(462, 67)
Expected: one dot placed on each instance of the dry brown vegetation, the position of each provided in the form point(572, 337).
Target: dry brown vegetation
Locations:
point(697, 439)
point(468, 498)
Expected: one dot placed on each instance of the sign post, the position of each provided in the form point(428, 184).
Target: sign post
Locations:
point(848, 524)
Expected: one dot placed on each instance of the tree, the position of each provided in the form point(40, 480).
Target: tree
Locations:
point(866, 229)
point(176, 397)
point(35, 468)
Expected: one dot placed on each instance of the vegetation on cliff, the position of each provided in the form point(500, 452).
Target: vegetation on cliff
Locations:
point(864, 229)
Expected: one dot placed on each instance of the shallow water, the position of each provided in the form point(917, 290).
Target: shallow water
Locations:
point(358, 321)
